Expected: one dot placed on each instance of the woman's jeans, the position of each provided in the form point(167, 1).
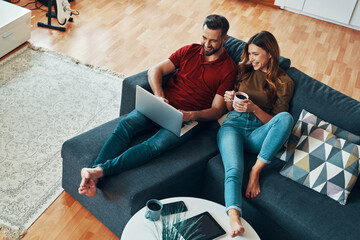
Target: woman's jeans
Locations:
point(242, 131)
point(115, 157)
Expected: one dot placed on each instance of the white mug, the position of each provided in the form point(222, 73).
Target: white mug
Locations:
point(240, 96)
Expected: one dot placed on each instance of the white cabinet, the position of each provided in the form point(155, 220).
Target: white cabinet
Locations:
point(14, 26)
point(343, 12)
point(355, 20)
point(335, 10)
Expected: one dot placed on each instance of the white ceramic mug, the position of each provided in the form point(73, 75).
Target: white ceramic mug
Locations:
point(240, 96)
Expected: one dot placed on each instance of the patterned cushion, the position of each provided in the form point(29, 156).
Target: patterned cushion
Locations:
point(308, 117)
point(286, 153)
point(324, 162)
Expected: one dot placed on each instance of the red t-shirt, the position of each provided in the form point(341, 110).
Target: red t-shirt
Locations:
point(196, 82)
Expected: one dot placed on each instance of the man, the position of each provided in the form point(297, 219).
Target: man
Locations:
point(204, 73)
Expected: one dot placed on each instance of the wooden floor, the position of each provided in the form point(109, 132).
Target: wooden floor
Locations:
point(130, 36)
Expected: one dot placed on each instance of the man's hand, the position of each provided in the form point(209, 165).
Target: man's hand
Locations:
point(188, 115)
point(163, 99)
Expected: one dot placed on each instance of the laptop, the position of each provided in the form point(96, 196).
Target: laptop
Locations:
point(161, 112)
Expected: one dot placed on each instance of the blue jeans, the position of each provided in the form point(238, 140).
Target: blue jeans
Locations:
point(242, 131)
point(115, 157)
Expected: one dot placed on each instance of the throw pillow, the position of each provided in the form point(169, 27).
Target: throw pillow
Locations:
point(324, 163)
point(287, 151)
point(308, 117)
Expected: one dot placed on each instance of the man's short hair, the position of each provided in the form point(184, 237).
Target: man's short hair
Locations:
point(215, 22)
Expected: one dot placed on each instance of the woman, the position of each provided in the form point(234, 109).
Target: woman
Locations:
point(259, 124)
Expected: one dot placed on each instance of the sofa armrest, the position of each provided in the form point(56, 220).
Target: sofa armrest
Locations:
point(127, 103)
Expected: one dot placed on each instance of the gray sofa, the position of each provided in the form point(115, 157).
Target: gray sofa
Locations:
point(283, 210)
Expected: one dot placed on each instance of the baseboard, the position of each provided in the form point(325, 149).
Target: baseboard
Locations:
point(269, 3)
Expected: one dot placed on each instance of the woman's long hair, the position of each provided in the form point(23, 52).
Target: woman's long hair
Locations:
point(266, 41)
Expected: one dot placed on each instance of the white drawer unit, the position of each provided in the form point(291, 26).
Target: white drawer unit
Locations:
point(14, 26)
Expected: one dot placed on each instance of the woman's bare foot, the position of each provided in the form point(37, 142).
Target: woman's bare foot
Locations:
point(237, 228)
point(89, 179)
point(253, 187)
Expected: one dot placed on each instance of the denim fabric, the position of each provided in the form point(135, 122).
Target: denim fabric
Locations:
point(115, 157)
point(244, 131)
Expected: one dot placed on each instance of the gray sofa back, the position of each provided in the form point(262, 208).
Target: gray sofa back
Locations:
point(323, 101)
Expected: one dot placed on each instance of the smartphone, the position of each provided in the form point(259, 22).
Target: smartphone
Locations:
point(174, 207)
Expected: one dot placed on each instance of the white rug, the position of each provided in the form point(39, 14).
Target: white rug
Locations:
point(45, 99)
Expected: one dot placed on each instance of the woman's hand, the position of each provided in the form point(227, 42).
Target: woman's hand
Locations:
point(244, 106)
point(229, 96)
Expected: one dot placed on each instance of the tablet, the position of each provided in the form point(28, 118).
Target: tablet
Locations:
point(200, 227)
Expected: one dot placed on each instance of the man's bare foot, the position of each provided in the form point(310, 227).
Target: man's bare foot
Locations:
point(89, 190)
point(237, 228)
point(89, 179)
point(253, 187)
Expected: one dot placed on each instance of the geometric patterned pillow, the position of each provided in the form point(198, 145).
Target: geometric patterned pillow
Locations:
point(308, 117)
point(287, 151)
point(324, 163)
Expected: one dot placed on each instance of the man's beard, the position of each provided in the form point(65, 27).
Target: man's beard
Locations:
point(211, 52)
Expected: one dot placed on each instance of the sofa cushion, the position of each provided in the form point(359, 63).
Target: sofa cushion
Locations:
point(234, 47)
point(174, 173)
point(324, 163)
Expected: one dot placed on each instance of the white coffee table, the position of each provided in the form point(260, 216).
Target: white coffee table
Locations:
point(140, 228)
